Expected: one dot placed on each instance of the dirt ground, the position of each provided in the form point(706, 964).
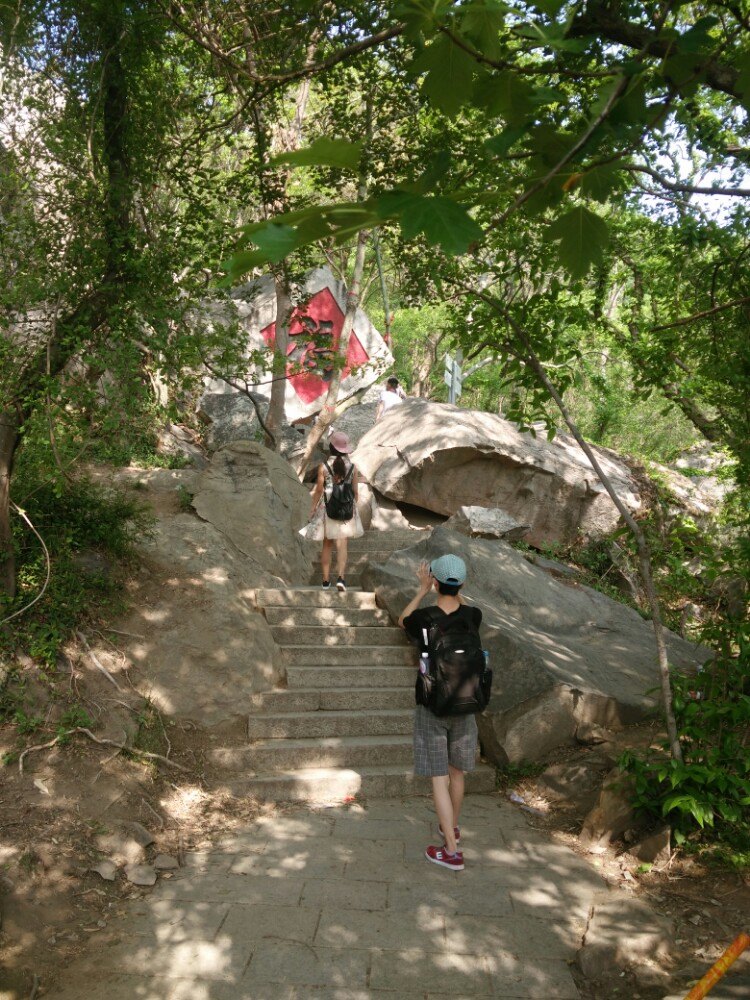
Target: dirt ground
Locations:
point(709, 905)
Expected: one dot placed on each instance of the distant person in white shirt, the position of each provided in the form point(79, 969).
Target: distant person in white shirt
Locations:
point(392, 395)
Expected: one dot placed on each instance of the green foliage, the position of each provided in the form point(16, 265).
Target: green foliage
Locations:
point(73, 518)
point(184, 499)
point(150, 735)
point(325, 152)
point(74, 717)
point(27, 724)
point(706, 798)
point(582, 237)
point(511, 775)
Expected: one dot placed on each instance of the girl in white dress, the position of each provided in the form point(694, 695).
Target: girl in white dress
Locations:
point(321, 526)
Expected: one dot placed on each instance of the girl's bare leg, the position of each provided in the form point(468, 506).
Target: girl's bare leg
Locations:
point(341, 555)
point(325, 558)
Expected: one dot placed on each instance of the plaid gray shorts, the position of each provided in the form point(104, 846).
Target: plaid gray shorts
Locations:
point(440, 742)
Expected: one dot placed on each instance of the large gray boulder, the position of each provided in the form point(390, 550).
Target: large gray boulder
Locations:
point(228, 417)
point(563, 655)
point(440, 457)
point(254, 498)
point(357, 421)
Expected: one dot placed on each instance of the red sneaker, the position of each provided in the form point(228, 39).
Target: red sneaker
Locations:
point(456, 833)
point(439, 856)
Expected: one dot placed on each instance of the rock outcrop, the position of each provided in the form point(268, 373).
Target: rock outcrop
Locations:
point(357, 421)
point(483, 522)
point(441, 457)
point(563, 655)
point(253, 497)
point(201, 648)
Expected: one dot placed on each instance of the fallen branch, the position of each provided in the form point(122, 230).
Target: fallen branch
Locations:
point(41, 746)
point(127, 749)
point(97, 663)
point(121, 747)
point(118, 631)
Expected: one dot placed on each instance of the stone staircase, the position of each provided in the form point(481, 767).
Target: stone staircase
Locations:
point(342, 726)
point(374, 546)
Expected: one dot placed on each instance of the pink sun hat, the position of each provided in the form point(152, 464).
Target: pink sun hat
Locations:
point(340, 442)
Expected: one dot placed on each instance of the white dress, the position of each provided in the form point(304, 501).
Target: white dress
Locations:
point(322, 526)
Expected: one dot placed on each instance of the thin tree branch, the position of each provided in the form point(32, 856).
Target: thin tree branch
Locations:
point(687, 320)
point(683, 188)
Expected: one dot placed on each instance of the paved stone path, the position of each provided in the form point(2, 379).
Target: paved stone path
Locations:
point(339, 904)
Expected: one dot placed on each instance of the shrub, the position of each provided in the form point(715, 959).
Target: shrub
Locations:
point(70, 517)
point(707, 796)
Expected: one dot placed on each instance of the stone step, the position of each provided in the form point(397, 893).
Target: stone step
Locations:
point(355, 564)
point(331, 700)
point(326, 725)
point(331, 617)
point(270, 756)
point(389, 541)
point(354, 657)
point(329, 785)
point(344, 678)
point(314, 597)
point(325, 636)
point(399, 538)
point(353, 579)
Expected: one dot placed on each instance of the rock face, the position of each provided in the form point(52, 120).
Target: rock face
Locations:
point(441, 457)
point(483, 522)
point(201, 649)
point(613, 813)
point(229, 417)
point(562, 654)
point(357, 421)
point(252, 496)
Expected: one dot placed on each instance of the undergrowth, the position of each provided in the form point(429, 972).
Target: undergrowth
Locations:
point(88, 530)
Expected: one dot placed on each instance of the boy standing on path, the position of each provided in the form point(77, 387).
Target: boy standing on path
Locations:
point(446, 747)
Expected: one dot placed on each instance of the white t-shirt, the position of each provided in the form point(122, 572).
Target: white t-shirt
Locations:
point(390, 399)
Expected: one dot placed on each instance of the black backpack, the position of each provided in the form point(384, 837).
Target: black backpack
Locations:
point(340, 504)
point(458, 681)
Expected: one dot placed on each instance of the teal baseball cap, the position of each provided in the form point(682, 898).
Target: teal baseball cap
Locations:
point(449, 569)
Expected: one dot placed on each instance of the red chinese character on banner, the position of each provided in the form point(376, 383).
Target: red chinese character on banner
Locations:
point(313, 360)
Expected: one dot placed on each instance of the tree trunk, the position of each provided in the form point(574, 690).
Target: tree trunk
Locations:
point(8, 444)
point(421, 375)
point(276, 408)
point(327, 413)
point(644, 552)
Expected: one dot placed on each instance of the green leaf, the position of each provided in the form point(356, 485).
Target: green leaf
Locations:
point(506, 95)
point(435, 171)
point(501, 144)
point(697, 39)
point(442, 221)
point(600, 182)
point(275, 241)
point(325, 153)
point(450, 74)
point(743, 81)
point(582, 237)
point(549, 7)
point(482, 24)
point(552, 36)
